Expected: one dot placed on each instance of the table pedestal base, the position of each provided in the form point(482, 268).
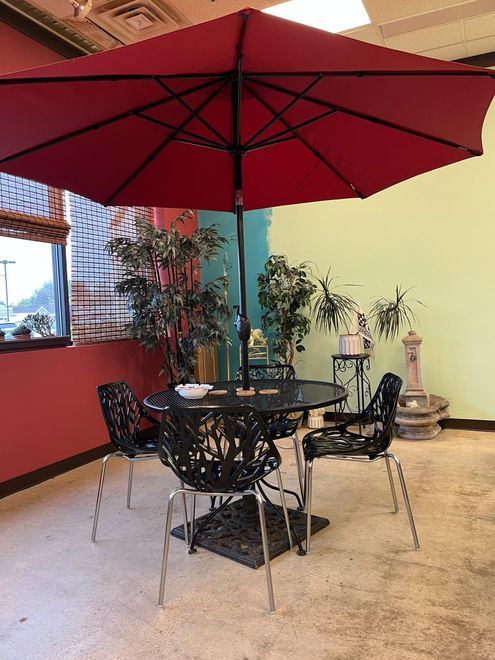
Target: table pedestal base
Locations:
point(233, 536)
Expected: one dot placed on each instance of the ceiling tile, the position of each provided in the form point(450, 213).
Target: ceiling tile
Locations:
point(368, 33)
point(434, 37)
point(480, 46)
point(381, 11)
point(449, 53)
point(198, 11)
point(480, 26)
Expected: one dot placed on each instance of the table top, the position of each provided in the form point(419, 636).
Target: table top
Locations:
point(293, 395)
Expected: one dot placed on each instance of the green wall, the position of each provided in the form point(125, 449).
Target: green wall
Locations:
point(256, 229)
point(435, 232)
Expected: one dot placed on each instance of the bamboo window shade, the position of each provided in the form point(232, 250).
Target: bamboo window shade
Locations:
point(32, 211)
point(98, 313)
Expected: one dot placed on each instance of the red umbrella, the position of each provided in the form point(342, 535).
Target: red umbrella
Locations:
point(243, 112)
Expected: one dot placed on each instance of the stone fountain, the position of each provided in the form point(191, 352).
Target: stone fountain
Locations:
point(418, 412)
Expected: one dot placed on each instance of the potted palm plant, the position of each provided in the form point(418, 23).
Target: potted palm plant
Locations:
point(171, 309)
point(333, 309)
point(390, 315)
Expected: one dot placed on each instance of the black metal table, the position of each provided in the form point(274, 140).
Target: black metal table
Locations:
point(234, 532)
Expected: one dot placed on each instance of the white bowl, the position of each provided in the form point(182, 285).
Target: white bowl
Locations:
point(193, 392)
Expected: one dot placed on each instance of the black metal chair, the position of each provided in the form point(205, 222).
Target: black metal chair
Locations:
point(281, 425)
point(222, 452)
point(342, 443)
point(123, 414)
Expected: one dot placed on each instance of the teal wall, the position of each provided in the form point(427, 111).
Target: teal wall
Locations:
point(256, 230)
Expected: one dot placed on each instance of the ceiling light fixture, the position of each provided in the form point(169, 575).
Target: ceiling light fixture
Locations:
point(81, 8)
point(329, 15)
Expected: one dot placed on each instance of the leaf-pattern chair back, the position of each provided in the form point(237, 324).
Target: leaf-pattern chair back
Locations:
point(380, 412)
point(223, 450)
point(123, 413)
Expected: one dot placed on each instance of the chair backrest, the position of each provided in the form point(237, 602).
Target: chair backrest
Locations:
point(270, 371)
point(218, 450)
point(381, 411)
point(122, 412)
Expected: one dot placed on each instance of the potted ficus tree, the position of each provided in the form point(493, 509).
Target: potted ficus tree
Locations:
point(284, 292)
point(171, 309)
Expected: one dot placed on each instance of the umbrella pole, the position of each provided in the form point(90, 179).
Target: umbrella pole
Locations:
point(243, 325)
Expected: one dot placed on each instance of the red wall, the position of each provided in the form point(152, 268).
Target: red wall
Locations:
point(49, 406)
point(20, 52)
point(164, 218)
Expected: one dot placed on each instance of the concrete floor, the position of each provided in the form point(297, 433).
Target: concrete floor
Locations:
point(362, 593)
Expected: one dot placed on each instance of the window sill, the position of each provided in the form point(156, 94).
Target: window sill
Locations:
point(36, 343)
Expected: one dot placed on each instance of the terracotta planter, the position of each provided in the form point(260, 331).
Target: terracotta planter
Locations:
point(24, 336)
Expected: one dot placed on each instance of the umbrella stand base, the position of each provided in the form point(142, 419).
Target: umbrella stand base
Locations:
point(237, 537)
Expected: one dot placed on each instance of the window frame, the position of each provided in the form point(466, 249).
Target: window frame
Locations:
point(61, 296)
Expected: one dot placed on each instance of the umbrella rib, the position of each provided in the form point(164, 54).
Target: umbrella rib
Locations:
point(273, 139)
point(100, 124)
point(316, 153)
point(163, 145)
point(194, 112)
point(283, 111)
point(370, 118)
point(110, 77)
point(204, 143)
point(482, 73)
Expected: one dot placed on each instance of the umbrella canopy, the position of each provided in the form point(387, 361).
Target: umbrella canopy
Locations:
point(244, 112)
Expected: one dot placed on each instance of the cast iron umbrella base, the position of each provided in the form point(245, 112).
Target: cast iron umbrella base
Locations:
point(234, 535)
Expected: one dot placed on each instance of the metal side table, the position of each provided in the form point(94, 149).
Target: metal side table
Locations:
point(351, 372)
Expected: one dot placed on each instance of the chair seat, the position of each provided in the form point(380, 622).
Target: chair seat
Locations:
point(146, 441)
point(318, 444)
point(215, 469)
point(283, 427)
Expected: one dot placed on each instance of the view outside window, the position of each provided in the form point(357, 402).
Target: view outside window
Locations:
point(26, 284)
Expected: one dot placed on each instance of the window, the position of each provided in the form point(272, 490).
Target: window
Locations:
point(34, 224)
point(33, 274)
point(98, 313)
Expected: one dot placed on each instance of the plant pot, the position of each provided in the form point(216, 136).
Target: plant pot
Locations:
point(350, 344)
point(26, 335)
point(2, 337)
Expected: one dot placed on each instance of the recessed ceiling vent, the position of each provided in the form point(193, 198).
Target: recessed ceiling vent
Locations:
point(134, 20)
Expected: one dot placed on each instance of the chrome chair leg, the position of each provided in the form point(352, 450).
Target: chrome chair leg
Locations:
point(406, 500)
point(284, 507)
point(129, 481)
point(166, 544)
point(193, 516)
point(392, 485)
point(187, 538)
point(100, 491)
point(299, 464)
point(266, 552)
point(309, 492)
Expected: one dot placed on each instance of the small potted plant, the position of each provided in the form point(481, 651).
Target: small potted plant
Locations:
point(41, 323)
point(2, 335)
point(22, 331)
